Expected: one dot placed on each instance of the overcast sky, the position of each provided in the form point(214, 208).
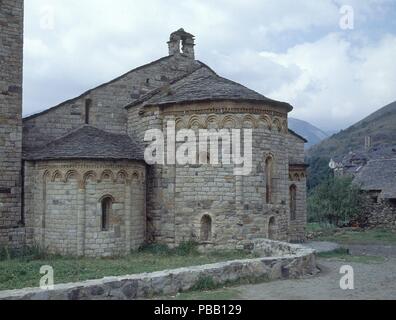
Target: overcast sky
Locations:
point(289, 50)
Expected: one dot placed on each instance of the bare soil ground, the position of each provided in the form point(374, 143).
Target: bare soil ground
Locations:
point(375, 279)
point(373, 250)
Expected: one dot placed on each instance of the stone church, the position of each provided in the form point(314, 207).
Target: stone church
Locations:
point(73, 179)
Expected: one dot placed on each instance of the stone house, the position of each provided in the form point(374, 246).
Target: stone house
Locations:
point(377, 180)
point(74, 180)
point(373, 171)
point(350, 164)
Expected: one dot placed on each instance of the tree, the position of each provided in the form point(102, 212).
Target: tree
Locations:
point(335, 201)
point(318, 171)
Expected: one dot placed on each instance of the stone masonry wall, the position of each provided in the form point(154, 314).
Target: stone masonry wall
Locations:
point(179, 196)
point(11, 52)
point(13, 238)
point(64, 206)
point(108, 101)
point(298, 178)
point(296, 150)
point(285, 262)
point(297, 228)
point(139, 121)
point(377, 212)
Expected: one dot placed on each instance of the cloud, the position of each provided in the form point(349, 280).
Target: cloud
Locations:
point(286, 50)
point(338, 82)
point(331, 82)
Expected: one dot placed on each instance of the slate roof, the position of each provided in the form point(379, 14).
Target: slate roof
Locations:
point(204, 84)
point(379, 175)
point(298, 136)
point(88, 142)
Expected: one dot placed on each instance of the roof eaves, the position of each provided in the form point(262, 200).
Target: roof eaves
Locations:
point(181, 102)
point(153, 93)
point(91, 158)
point(297, 135)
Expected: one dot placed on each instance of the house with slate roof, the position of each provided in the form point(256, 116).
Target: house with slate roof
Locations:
point(377, 180)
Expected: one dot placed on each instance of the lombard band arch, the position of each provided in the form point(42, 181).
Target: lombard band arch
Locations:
point(72, 174)
point(229, 120)
point(249, 119)
point(90, 175)
point(56, 175)
point(107, 174)
point(195, 121)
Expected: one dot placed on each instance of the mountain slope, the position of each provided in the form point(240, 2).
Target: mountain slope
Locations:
point(313, 134)
point(380, 126)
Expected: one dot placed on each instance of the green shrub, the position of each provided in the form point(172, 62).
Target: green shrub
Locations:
point(5, 254)
point(318, 171)
point(184, 249)
point(335, 201)
point(26, 253)
point(36, 253)
point(204, 283)
point(156, 249)
point(187, 248)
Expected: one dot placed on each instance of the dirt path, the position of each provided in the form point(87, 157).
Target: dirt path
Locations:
point(373, 280)
point(373, 250)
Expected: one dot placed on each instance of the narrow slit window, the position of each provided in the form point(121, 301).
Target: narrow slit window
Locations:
point(268, 178)
point(106, 210)
point(272, 229)
point(293, 202)
point(88, 107)
point(206, 228)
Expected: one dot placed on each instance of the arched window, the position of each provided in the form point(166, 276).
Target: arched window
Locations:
point(106, 210)
point(269, 174)
point(206, 228)
point(272, 229)
point(88, 106)
point(293, 202)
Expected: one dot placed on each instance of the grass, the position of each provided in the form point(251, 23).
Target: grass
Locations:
point(353, 236)
point(319, 227)
point(376, 236)
point(344, 255)
point(204, 283)
point(206, 289)
point(334, 254)
point(23, 271)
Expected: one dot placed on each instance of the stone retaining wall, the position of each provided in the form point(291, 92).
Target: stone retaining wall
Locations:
point(377, 212)
point(295, 261)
